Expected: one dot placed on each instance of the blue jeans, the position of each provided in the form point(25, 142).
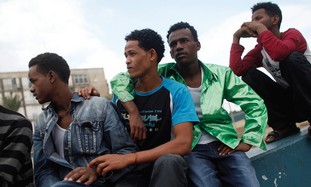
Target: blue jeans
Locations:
point(207, 168)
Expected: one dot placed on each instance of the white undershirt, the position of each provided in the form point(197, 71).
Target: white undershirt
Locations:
point(196, 95)
point(58, 134)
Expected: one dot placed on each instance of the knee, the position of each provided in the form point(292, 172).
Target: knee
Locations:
point(250, 75)
point(293, 59)
point(295, 55)
point(169, 160)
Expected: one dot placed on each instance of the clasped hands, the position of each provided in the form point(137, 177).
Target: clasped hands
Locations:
point(250, 29)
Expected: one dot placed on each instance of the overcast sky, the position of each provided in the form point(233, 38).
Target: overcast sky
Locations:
point(90, 33)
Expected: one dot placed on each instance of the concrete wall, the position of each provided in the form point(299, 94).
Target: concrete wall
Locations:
point(286, 163)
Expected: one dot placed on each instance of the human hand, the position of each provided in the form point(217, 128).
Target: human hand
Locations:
point(110, 162)
point(245, 32)
point(225, 150)
point(138, 130)
point(87, 92)
point(255, 26)
point(84, 175)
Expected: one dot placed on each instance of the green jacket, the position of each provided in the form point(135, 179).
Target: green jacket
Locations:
point(218, 83)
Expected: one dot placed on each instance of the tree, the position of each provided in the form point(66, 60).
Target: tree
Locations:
point(12, 102)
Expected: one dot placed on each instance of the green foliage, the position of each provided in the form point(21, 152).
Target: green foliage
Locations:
point(12, 102)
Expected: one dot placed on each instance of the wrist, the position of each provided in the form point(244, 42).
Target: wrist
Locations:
point(236, 38)
point(134, 115)
point(260, 29)
point(133, 160)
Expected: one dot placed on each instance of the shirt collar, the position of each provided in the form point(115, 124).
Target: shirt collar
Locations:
point(209, 76)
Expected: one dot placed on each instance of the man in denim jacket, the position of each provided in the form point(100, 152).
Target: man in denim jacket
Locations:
point(71, 131)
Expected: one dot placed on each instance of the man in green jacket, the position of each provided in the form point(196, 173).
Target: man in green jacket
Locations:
point(218, 157)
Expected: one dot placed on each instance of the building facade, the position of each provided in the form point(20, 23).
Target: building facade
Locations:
point(17, 84)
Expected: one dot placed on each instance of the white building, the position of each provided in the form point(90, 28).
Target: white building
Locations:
point(17, 83)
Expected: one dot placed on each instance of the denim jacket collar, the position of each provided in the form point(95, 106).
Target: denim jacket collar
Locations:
point(75, 99)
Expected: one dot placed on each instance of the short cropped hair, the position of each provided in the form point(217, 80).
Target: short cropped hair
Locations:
point(183, 25)
point(272, 9)
point(148, 39)
point(51, 62)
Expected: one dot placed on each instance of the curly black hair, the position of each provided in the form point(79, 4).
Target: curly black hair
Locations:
point(148, 39)
point(51, 62)
point(183, 25)
point(272, 9)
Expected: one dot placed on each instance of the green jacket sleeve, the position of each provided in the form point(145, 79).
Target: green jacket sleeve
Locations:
point(238, 92)
point(122, 87)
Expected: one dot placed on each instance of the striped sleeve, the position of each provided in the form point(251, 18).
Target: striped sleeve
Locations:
point(15, 150)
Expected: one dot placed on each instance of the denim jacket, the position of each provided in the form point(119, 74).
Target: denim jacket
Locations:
point(96, 129)
point(219, 83)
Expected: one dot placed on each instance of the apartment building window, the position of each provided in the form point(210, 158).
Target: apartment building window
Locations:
point(26, 83)
point(10, 84)
point(80, 79)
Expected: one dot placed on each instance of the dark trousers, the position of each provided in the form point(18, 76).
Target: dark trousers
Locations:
point(285, 105)
point(167, 171)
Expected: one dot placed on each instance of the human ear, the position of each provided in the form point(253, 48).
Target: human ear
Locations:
point(198, 45)
point(171, 53)
point(153, 55)
point(275, 20)
point(51, 74)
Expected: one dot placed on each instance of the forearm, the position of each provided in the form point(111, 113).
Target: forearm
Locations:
point(239, 93)
point(130, 107)
point(256, 119)
point(255, 125)
point(180, 145)
point(172, 147)
point(236, 39)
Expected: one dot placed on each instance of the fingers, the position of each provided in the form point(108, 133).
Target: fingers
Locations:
point(133, 133)
point(246, 30)
point(138, 133)
point(87, 92)
point(74, 175)
point(96, 161)
point(105, 171)
point(101, 165)
point(225, 150)
point(87, 175)
point(84, 92)
point(243, 147)
point(92, 178)
point(144, 134)
point(138, 130)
